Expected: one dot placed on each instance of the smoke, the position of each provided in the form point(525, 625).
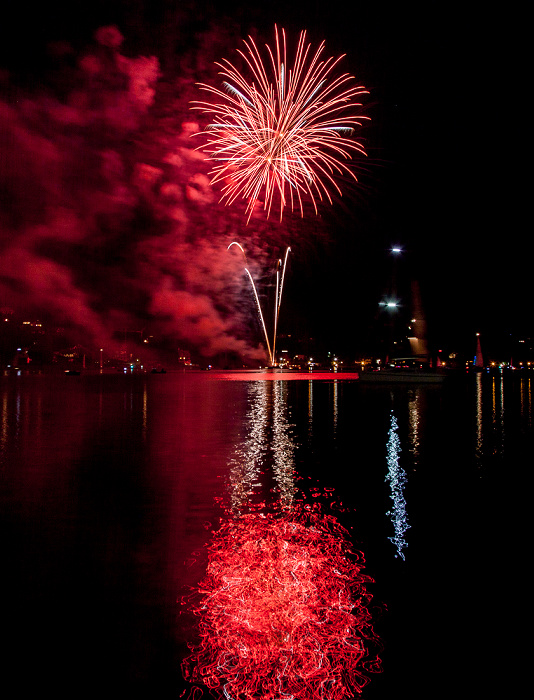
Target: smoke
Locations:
point(108, 220)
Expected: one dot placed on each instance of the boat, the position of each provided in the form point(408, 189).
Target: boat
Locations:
point(404, 370)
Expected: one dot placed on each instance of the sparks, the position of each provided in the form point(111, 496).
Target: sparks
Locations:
point(285, 133)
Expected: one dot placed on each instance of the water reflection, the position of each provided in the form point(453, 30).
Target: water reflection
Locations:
point(497, 396)
point(526, 401)
point(283, 447)
point(310, 409)
point(397, 479)
point(11, 410)
point(479, 416)
point(4, 424)
point(283, 607)
point(503, 410)
point(267, 444)
point(414, 422)
point(335, 406)
point(95, 512)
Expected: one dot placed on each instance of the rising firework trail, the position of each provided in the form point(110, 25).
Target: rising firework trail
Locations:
point(280, 276)
point(284, 129)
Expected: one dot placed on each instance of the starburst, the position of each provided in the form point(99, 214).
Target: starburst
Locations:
point(280, 129)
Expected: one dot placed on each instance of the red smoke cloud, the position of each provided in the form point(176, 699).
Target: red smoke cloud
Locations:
point(108, 218)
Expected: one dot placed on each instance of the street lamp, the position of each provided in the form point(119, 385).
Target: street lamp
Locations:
point(391, 304)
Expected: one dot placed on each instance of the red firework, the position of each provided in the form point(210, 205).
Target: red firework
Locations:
point(287, 132)
point(283, 612)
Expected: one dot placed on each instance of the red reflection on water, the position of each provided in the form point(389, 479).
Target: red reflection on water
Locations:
point(283, 611)
point(260, 375)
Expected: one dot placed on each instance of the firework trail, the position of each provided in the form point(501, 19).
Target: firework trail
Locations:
point(280, 275)
point(256, 297)
point(286, 133)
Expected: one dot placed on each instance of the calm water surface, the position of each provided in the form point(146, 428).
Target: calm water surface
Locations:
point(112, 485)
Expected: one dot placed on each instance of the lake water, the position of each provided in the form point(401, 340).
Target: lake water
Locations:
point(113, 488)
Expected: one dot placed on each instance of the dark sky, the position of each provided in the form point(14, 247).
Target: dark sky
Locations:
point(107, 220)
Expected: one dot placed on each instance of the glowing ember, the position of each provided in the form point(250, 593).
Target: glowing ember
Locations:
point(283, 611)
point(286, 133)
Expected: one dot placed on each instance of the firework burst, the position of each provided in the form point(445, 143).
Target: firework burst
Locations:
point(285, 130)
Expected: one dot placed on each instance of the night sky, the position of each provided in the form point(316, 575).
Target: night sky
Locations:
point(108, 221)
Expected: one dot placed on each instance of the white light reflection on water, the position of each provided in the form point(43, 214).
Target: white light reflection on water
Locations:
point(283, 446)
point(246, 466)
point(269, 442)
point(397, 478)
